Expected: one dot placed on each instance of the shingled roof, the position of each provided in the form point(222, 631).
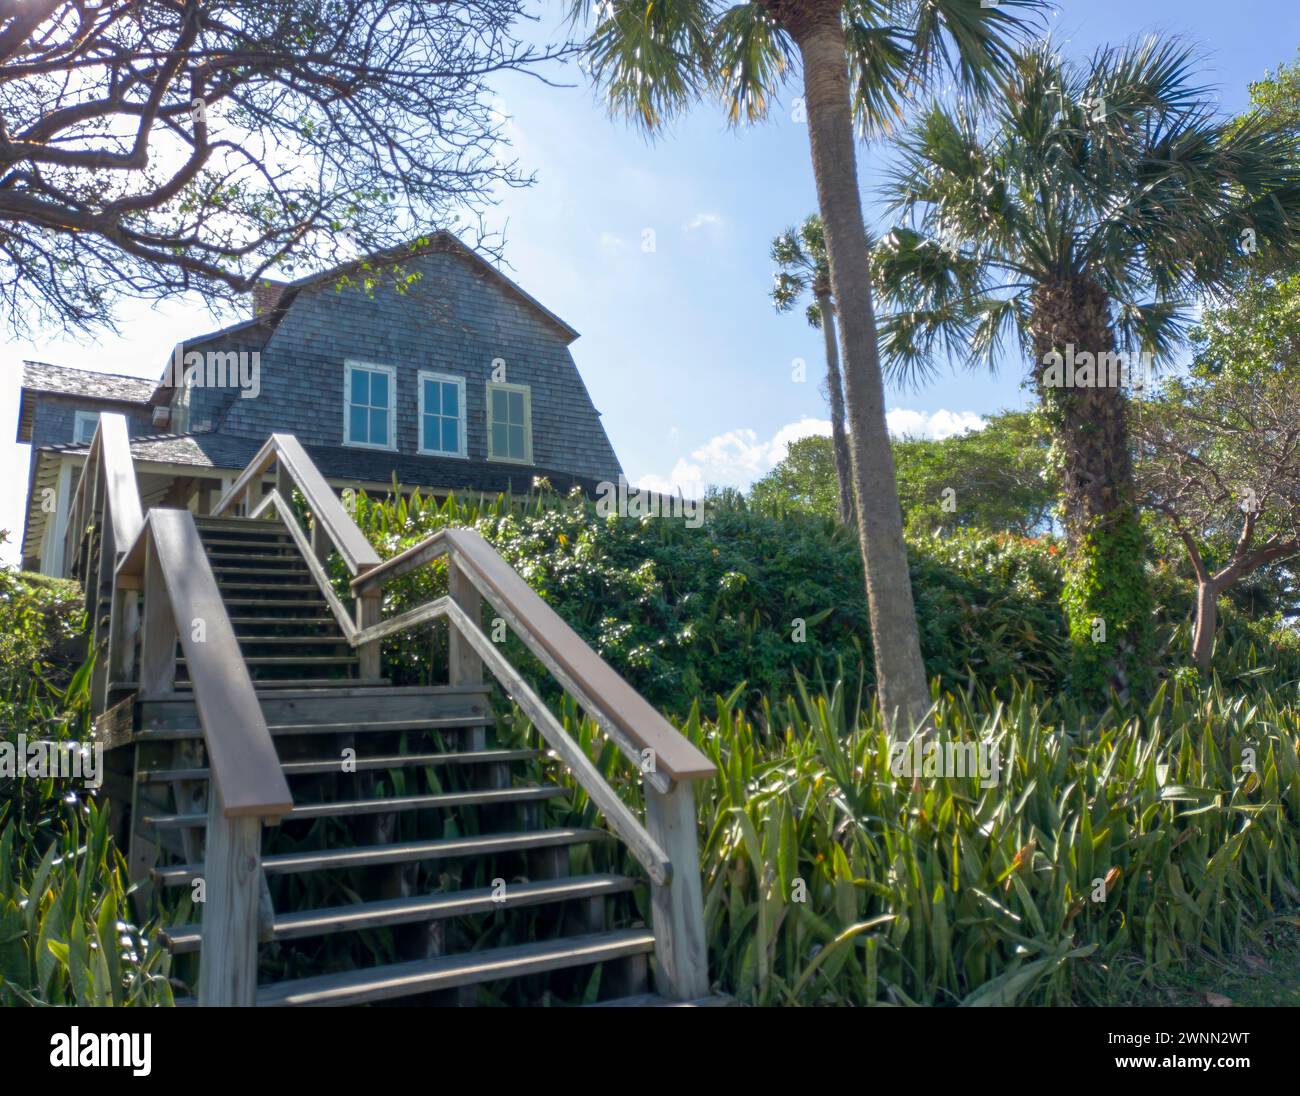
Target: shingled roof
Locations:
point(63, 380)
point(66, 381)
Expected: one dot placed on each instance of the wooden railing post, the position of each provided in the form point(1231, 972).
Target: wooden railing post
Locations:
point(369, 606)
point(232, 874)
point(677, 907)
point(158, 635)
point(123, 630)
point(465, 666)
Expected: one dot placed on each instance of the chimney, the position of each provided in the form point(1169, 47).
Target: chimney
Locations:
point(266, 295)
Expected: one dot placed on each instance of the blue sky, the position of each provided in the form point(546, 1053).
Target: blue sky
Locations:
point(680, 348)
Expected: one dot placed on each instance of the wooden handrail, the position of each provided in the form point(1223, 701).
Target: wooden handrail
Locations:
point(274, 501)
point(617, 707)
point(357, 552)
point(429, 549)
point(242, 758)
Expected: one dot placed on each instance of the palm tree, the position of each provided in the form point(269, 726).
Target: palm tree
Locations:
point(800, 256)
point(859, 60)
point(1083, 216)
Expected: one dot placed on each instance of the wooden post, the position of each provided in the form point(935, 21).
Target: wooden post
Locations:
point(464, 665)
point(158, 635)
point(681, 951)
point(124, 628)
point(368, 610)
point(232, 874)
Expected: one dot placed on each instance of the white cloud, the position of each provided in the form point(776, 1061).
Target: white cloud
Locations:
point(904, 423)
point(739, 457)
point(612, 243)
point(733, 459)
point(704, 220)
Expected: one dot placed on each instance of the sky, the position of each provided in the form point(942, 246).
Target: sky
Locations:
point(657, 253)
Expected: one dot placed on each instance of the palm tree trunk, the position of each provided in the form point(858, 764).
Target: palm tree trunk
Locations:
point(902, 690)
point(835, 391)
point(1107, 599)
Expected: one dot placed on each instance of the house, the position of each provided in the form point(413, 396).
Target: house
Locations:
point(449, 377)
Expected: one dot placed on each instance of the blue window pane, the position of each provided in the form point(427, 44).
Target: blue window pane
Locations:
point(378, 389)
point(498, 405)
point(500, 445)
point(517, 408)
point(379, 427)
point(357, 424)
point(450, 442)
point(360, 386)
point(450, 400)
point(517, 442)
point(428, 432)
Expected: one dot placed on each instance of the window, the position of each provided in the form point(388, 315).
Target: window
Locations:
point(369, 405)
point(510, 431)
point(442, 415)
point(84, 427)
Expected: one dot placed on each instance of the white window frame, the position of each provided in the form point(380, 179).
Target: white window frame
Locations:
point(459, 382)
point(374, 367)
point(79, 418)
point(528, 421)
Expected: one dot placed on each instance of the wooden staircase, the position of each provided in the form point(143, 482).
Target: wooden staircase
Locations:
point(366, 842)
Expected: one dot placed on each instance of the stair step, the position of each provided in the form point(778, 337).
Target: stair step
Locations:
point(437, 723)
point(324, 618)
point(284, 603)
point(325, 641)
point(356, 987)
point(295, 587)
point(362, 764)
point(298, 568)
point(364, 856)
point(287, 544)
point(206, 521)
point(293, 660)
point(349, 807)
point(423, 907)
point(306, 682)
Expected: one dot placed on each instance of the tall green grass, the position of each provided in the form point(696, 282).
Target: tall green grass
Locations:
point(1111, 848)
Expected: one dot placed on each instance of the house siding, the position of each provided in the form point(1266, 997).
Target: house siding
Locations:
point(54, 418)
point(452, 320)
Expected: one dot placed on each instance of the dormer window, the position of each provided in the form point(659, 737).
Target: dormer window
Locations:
point(442, 415)
point(84, 427)
point(369, 405)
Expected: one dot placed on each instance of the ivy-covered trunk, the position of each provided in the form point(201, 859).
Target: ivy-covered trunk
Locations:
point(1107, 599)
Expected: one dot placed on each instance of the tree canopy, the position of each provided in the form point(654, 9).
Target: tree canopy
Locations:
point(153, 147)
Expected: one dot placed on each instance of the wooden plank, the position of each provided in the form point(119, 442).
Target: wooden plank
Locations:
point(429, 549)
point(610, 700)
point(369, 608)
point(240, 750)
point(465, 666)
point(619, 816)
point(421, 614)
point(677, 908)
point(363, 764)
point(424, 907)
point(158, 629)
point(364, 856)
point(232, 885)
point(447, 972)
point(351, 808)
